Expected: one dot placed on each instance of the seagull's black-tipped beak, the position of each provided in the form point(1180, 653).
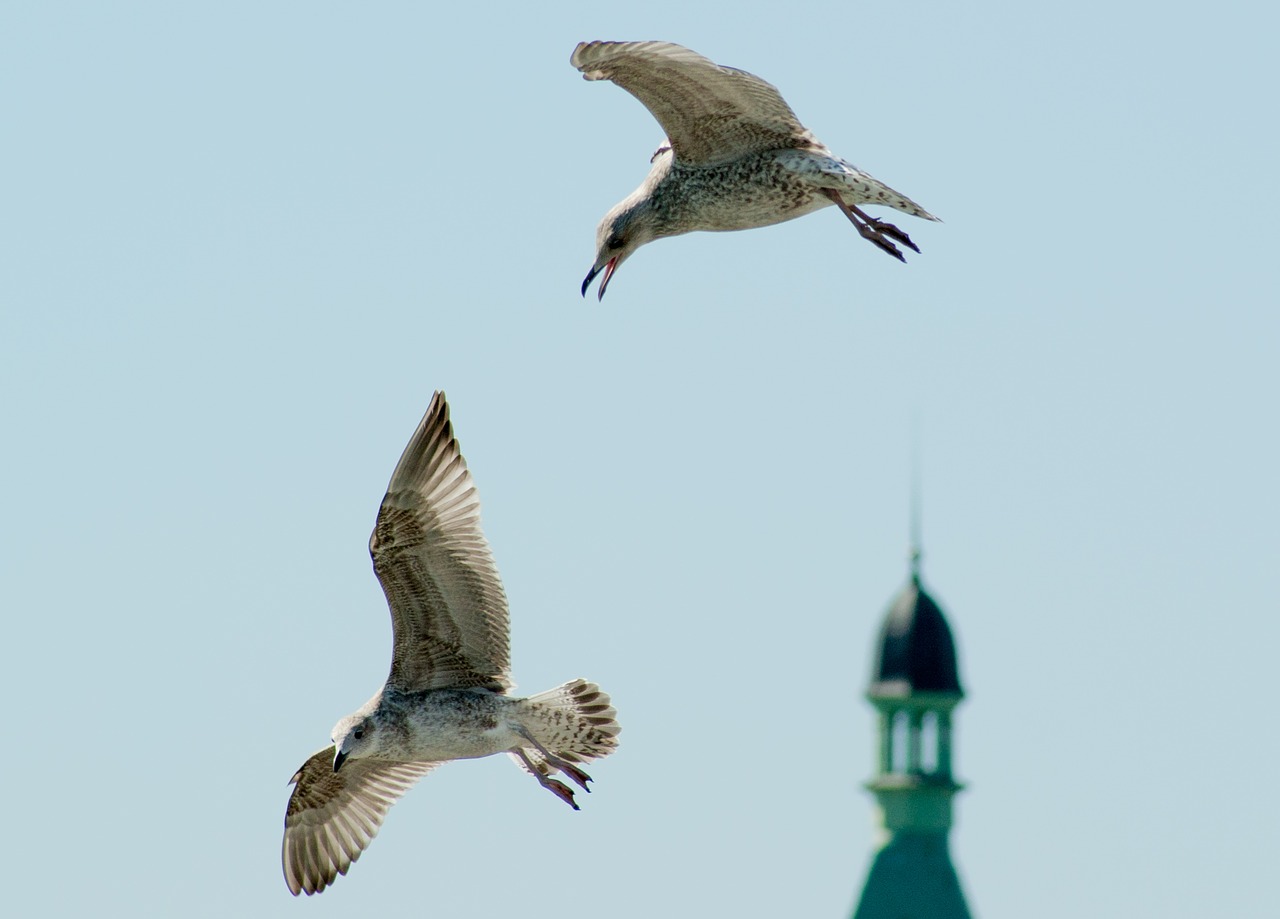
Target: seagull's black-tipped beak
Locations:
point(591, 276)
point(338, 759)
point(609, 267)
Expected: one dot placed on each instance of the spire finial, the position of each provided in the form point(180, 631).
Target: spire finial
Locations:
point(916, 551)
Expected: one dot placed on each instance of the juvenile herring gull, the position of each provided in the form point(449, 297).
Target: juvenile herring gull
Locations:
point(735, 156)
point(446, 697)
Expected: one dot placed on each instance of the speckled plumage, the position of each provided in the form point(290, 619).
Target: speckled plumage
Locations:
point(446, 696)
point(736, 156)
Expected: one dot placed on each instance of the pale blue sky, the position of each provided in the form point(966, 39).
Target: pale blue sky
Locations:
point(241, 245)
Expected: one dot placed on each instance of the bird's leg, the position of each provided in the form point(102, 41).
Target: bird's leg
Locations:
point(872, 229)
point(559, 789)
point(560, 763)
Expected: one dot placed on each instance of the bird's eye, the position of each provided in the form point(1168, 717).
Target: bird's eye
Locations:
point(615, 242)
point(359, 733)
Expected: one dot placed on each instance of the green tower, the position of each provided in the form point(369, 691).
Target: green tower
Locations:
point(915, 687)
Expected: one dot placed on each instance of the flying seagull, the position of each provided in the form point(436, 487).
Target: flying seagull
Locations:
point(446, 697)
point(735, 157)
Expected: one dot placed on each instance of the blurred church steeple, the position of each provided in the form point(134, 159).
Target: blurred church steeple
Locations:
point(915, 686)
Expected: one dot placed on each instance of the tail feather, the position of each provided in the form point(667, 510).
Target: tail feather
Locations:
point(576, 722)
point(870, 190)
point(858, 187)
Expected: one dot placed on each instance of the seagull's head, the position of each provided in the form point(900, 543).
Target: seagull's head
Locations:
point(622, 231)
point(631, 223)
point(353, 737)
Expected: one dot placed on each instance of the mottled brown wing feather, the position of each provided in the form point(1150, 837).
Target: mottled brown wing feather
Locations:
point(333, 816)
point(710, 113)
point(448, 609)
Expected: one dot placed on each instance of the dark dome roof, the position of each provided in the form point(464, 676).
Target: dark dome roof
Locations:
point(915, 652)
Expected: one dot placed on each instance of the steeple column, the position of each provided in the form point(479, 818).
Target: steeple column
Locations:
point(884, 739)
point(944, 743)
point(914, 727)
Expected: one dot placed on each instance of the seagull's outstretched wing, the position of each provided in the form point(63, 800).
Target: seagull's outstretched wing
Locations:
point(710, 113)
point(333, 816)
point(448, 608)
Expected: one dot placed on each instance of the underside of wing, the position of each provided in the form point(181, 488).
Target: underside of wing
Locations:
point(710, 113)
point(333, 816)
point(448, 608)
